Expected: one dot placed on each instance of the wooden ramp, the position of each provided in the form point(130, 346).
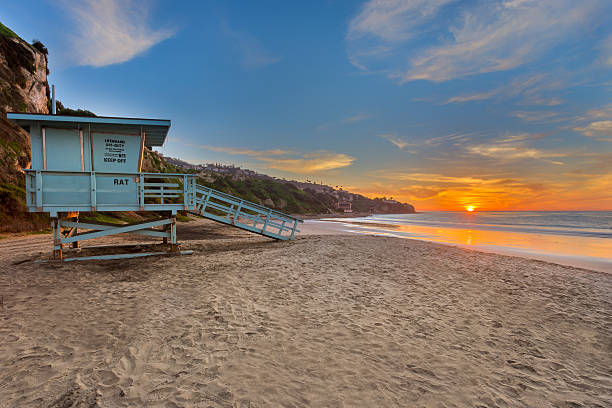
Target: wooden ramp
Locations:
point(243, 214)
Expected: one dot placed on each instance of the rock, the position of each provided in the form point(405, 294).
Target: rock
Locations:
point(23, 77)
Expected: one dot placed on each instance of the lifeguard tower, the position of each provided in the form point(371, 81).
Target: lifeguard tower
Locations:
point(82, 164)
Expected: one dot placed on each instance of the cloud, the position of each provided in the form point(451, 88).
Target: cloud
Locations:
point(455, 192)
point(435, 178)
point(393, 20)
point(606, 50)
point(248, 152)
point(519, 137)
point(472, 97)
point(537, 116)
point(453, 138)
point(310, 162)
point(474, 39)
point(595, 123)
point(600, 130)
point(291, 161)
point(513, 152)
point(397, 141)
point(111, 31)
point(545, 101)
point(253, 54)
point(356, 118)
point(534, 89)
point(448, 191)
point(345, 121)
point(604, 112)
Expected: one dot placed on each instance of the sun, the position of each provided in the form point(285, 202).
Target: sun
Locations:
point(469, 208)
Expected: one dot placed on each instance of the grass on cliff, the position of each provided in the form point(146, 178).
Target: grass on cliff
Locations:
point(7, 32)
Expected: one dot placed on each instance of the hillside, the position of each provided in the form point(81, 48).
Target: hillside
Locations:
point(286, 195)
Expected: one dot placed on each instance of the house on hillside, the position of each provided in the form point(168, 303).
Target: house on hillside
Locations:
point(346, 206)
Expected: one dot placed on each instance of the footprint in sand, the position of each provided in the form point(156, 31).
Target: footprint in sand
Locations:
point(107, 377)
point(131, 368)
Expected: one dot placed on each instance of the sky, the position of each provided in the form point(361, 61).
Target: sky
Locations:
point(497, 104)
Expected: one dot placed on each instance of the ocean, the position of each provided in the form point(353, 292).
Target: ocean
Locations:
point(581, 239)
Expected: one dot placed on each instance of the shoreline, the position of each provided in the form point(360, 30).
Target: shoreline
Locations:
point(338, 226)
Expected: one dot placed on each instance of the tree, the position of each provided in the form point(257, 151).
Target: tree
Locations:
point(40, 47)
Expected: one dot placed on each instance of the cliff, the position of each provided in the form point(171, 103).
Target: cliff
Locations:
point(23, 88)
point(23, 74)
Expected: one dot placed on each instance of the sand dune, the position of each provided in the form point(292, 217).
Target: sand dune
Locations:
point(322, 321)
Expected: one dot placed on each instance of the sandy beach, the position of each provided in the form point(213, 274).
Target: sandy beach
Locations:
point(321, 321)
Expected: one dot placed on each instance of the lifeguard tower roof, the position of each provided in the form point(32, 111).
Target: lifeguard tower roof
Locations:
point(155, 130)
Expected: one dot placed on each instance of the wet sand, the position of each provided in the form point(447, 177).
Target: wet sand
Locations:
point(322, 321)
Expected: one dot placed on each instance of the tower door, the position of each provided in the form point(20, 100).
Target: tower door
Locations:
point(62, 149)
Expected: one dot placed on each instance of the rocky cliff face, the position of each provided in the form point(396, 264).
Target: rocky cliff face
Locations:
point(23, 88)
point(23, 75)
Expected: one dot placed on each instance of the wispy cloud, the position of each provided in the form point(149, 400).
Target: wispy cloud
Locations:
point(253, 54)
point(111, 31)
point(356, 118)
point(291, 161)
point(600, 130)
point(247, 152)
point(520, 137)
point(595, 123)
point(360, 117)
point(510, 147)
point(510, 152)
point(606, 50)
point(458, 138)
point(393, 20)
point(399, 142)
point(545, 101)
point(436, 178)
point(310, 162)
point(537, 116)
point(602, 113)
point(533, 89)
point(472, 97)
point(486, 37)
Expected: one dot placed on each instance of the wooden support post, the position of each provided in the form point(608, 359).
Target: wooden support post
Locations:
point(141, 191)
point(56, 225)
point(39, 191)
point(92, 189)
point(75, 244)
point(185, 195)
point(165, 228)
point(173, 244)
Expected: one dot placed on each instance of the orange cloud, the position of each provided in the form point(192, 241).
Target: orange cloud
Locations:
point(599, 130)
point(435, 191)
point(292, 161)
